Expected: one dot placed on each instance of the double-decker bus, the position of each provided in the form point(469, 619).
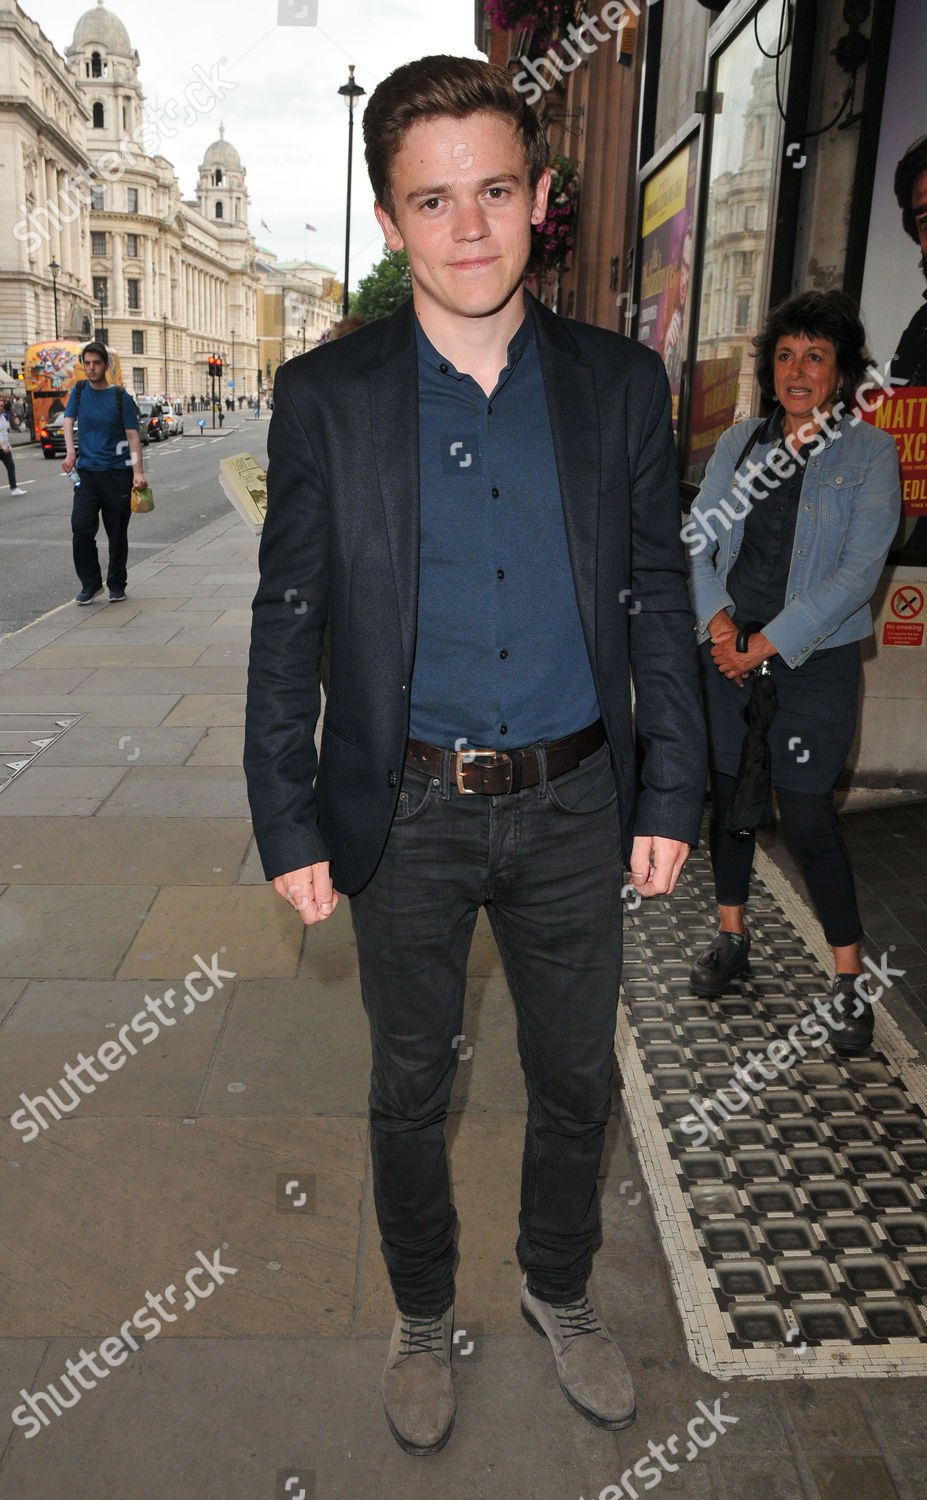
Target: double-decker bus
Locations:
point(51, 368)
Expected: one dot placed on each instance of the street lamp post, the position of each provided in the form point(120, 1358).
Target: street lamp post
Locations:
point(349, 92)
point(101, 299)
point(304, 335)
point(54, 267)
point(234, 388)
point(164, 324)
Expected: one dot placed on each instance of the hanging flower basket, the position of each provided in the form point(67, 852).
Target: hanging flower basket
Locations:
point(547, 18)
point(552, 240)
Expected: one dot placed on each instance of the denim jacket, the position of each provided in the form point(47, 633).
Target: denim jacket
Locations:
point(848, 513)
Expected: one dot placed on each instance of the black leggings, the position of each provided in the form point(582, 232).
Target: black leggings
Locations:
point(6, 459)
point(809, 824)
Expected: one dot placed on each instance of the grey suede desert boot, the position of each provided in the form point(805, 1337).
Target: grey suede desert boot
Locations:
point(591, 1368)
point(418, 1386)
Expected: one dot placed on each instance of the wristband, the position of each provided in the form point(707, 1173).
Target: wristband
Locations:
point(744, 634)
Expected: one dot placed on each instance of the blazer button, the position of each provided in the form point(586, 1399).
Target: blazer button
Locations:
point(392, 779)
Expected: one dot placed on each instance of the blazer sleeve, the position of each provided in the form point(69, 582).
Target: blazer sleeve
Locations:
point(668, 703)
point(289, 613)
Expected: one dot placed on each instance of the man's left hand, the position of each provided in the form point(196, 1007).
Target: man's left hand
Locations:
point(656, 863)
point(139, 481)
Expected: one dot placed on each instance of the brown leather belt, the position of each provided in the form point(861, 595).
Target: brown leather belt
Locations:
point(495, 773)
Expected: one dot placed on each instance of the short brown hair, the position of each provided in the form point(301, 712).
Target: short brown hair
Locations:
point(95, 347)
point(441, 85)
point(815, 315)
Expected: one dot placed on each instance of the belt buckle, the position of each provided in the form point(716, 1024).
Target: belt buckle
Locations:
point(464, 758)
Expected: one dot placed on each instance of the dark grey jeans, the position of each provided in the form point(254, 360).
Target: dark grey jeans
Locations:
point(545, 863)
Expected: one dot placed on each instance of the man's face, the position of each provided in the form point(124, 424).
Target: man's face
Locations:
point(94, 367)
point(463, 212)
point(919, 206)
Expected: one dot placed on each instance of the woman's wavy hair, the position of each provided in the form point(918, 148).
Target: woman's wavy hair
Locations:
point(442, 85)
point(817, 315)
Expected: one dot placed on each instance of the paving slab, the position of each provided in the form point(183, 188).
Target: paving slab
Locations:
point(10, 990)
point(70, 1007)
point(216, 746)
point(137, 851)
point(209, 709)
point(82, 1269)
point(248, 927)
point(489, 1076)
point(89, 744)
point(67, 932)
point(114, 681)
point(179, 792)
point(48, 791)
point(24, 681)
point(292, 1047)
point(137, 709)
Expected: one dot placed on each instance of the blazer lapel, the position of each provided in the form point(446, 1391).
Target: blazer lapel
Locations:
point(394, 417)
point(574, 423)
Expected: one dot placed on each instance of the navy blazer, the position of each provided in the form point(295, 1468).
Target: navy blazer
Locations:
point(341, 544)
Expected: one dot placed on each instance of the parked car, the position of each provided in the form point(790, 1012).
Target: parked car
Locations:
point(151, 423)
point(173, 420)
point(51, 436)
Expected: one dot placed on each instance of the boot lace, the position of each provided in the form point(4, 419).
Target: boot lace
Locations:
point(579, 1317)
point(422, 1335)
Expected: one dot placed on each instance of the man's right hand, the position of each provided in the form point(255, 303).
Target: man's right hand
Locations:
point(309, 891)
point(68, 462)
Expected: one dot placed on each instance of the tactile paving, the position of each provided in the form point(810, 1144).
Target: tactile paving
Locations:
point(791, 1200)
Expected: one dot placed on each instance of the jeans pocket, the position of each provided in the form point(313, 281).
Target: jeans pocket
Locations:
point(590, 788)
point(417, 792)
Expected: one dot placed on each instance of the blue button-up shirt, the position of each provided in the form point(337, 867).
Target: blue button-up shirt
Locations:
point(500, 659)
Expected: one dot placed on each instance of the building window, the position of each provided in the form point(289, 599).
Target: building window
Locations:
point(139, 380)
point(97, 242)
point(98, 116)
point(750, 216)
point(218, 210)
point(132, 200)
point(96, 65)
point(746, 263)
point(132, 246)
point(133, 300)
point(100, 290)
point(138, 340)
point(96, 199)
point(125, 117)
point(218, 177)
point(742, 315)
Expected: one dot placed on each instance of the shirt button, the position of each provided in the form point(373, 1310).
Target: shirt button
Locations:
point(502, 655)
point(503, 728)
point(443, 369)
point(489, 410)
point(500, 572)
point(495, 493)
point(391, 779)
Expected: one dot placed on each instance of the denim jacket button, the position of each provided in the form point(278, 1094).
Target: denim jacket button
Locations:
point(838, 479)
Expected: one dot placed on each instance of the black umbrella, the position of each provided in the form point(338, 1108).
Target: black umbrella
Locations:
point(751, 805)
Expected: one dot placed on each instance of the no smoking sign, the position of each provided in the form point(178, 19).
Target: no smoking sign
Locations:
point(906, 628)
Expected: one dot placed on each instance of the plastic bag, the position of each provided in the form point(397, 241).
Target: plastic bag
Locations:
point(142, 499)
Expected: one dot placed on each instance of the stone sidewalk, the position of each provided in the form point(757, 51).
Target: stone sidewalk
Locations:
point(233, 1132)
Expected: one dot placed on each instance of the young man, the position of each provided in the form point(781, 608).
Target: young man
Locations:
point(110, 462)
point(480, 500)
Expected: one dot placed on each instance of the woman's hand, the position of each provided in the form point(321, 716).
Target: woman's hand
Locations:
point(721, 625)
point(737, 665)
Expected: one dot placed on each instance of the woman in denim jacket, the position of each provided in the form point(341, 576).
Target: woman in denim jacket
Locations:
point(787, 540)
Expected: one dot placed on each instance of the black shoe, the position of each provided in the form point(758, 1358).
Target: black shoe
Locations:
point(714, 969)
point(852, 1004)
point(87, 596)
point(116, 596)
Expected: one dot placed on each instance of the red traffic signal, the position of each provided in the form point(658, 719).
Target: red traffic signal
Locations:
point(218, 364)
point(212, 364)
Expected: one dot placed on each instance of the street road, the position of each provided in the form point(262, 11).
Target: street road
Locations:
point(36, 571)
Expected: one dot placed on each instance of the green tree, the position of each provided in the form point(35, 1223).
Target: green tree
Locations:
point(388, 284)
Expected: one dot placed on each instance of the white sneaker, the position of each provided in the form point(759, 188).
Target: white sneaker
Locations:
point(17, 491)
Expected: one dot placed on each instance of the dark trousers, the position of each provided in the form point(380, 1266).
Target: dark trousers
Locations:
point(809, 825)
point(6, 459)
point(106, 493)
point(545, 863)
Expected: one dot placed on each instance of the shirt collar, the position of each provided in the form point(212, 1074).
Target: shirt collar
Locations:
point(522, 339)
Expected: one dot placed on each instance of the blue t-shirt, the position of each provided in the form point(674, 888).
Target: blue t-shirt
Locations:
point(101, 430)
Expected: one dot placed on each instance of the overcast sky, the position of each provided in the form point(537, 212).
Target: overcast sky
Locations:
point(284, 115)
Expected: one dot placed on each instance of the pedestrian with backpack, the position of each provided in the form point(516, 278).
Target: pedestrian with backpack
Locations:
point(110, 463)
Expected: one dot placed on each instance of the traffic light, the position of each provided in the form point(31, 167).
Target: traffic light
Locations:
point(212, 365)
point(218, 366)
